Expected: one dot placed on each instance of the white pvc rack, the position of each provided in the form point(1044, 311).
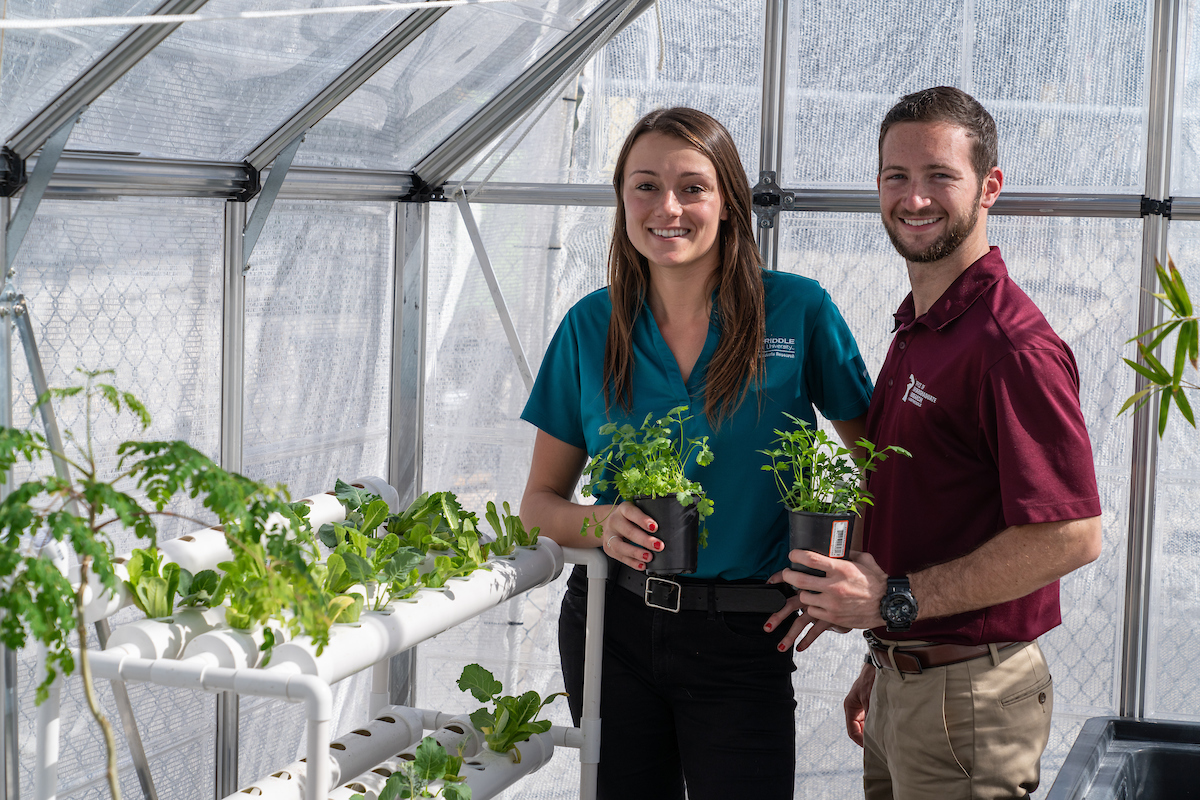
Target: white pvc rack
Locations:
point(195, 651)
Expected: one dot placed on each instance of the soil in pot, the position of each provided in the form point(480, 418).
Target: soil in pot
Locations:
point(679, 530)
point(827, 534)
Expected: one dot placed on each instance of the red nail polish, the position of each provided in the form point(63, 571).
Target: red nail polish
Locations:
point(641, 566)
point(658, 545)
point(653, 527)
point(782, 647)
point(768, 626)
point(645, 556)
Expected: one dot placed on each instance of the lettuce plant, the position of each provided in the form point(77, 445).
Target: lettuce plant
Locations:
point(511, 721)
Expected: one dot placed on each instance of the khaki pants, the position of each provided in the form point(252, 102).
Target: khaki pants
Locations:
point(970, 730)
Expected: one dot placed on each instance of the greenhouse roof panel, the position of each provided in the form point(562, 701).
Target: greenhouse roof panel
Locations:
point(213, 90)
point(35, 65)
point(426, 92)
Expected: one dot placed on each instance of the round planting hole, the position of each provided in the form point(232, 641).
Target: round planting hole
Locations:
point(187, 538)
point(253, 790)
point(282, 774)
point(337, 746)
point(361, 732)
point(384, 771)
point(387, 719)
point(408, 757)
point(358, 787)
point(307, 502)
point(455, 728)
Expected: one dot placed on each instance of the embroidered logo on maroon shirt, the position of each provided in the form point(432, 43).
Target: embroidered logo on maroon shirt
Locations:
point(915, 392)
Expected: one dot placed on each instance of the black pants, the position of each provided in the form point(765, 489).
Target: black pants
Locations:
point(696, 697)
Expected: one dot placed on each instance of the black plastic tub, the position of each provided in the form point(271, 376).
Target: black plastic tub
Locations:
point(1115, 758)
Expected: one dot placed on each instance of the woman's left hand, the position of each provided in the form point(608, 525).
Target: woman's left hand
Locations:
point(815, 626)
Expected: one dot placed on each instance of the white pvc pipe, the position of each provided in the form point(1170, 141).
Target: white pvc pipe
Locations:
point(396, 729)
point(165, 638)
point(488, 773)
point(382, 488)
point(231, 648)
point(593, 656)
point(455, 735)
point(380, 635)
point(380, 688)
point(45, 768)
point(281, 682)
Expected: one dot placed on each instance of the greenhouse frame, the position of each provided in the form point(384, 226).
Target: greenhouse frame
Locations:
point(331, 239)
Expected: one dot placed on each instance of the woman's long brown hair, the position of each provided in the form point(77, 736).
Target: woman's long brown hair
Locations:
point(741, 313)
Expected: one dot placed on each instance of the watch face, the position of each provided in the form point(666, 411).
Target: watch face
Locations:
point(898, 609)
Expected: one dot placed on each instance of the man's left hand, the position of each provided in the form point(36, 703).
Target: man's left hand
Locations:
point(848, 596)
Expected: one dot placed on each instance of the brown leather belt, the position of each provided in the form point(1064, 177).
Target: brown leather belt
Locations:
point(672, 593)
point(915, 659)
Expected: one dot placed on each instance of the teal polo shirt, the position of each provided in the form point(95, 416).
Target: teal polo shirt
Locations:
point(811, 360)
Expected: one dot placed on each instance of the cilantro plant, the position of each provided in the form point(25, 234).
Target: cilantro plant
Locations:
point(430, 764)
point(153, 585)
point(511, 721)
point(81, 511)
point(511, 533)
point(817, 474)
point(649, 462)
point(1185, 324)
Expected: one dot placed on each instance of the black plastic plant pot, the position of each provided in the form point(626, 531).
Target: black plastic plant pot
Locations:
point(679, 530)
point(1116, 757)
point(827, 534)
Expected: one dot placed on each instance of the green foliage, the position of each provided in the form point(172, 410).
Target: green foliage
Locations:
point(511, 721)
point(1168, 384)
point(815, 473)
point(430, 763)
point(153, 585)
point(649, 462)
point(511, 533)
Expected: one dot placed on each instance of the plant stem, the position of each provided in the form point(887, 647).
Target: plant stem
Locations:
point(85, 672)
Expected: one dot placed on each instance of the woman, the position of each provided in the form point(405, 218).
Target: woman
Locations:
point(702, 697)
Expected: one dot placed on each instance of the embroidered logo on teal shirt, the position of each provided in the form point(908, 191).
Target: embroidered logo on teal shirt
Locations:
point(779, 346)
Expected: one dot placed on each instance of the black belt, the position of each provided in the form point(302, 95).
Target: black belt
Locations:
point(669, 593)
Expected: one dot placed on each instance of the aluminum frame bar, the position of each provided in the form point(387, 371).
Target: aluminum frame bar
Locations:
point(129, 723)
point(485, 265)
point(358, 73)
point(97, 78)
point(35, 189)
point(20, 312)
point(233, 338)
point(770, 149)
point(514, 100)
point(10, 782)
point(1144, 463)
point(266, 198)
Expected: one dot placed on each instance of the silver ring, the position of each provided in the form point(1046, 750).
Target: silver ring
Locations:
point(609, 540)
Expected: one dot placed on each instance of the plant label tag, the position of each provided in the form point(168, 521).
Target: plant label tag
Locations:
point(837, 541)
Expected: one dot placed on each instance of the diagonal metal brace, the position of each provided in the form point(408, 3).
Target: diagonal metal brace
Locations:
point(35, 189)
point(266, 198)
point(485, 264)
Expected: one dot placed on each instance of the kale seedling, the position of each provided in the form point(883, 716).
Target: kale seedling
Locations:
point(153, 585)
point(510, 534)
point(512, 720)
point(430, 763)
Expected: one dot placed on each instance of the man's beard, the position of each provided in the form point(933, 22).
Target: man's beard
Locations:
point(958, 230)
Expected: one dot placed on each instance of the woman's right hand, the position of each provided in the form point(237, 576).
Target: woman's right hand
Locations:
point(627, 535)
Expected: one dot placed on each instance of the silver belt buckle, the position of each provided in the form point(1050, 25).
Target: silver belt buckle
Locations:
point(668, 583)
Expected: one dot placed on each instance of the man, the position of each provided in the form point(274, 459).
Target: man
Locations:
point(963, 549)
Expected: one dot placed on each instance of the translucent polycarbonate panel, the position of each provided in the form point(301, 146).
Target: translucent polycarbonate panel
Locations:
point(35, 65)
point(1185, 154)
point(431, 88)
point(214, 90)
point(132, 286)
point(1066, 83)
point(709, 57)
point(1083, 274)
point(545, 258)
point(1173, 687)
point(318, 345)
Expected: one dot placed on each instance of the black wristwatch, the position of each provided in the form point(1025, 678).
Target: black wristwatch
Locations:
point(898, 607)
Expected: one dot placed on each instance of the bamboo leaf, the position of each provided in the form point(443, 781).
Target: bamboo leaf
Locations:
point(1164, 408)
point(1185, 407)
point(1133, 398)
point(1180, 289)
point(1164, 377)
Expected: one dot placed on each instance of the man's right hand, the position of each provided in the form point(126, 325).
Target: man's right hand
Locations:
point(857, 702)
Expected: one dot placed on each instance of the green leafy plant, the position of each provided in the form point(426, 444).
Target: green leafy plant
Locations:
point(511, 721)
point(817, 474)
point(415, 778)
point(153, 585)
point(511, 533)
point(1168, 384)
point(649, 462)
point(82, 507)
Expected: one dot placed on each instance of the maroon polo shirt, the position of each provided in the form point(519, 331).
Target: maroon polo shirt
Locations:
point(986, 397)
